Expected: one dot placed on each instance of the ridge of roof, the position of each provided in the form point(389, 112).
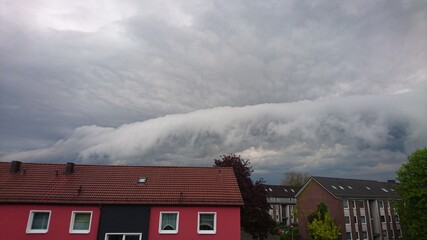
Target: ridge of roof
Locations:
point(115, 165)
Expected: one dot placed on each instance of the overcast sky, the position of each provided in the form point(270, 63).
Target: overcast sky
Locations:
point(333, 88)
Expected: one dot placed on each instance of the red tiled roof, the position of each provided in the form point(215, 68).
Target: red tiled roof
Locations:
point(102, 184)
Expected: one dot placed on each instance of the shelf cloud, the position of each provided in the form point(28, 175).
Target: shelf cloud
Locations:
point(370, 134)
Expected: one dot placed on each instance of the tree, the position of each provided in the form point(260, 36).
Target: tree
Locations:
point(254, 217)
point(321, 225)
point(412, 189)
point(296, 179)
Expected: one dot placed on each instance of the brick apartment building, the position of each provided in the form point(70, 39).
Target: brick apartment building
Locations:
point(282, 201)
point(361, 208)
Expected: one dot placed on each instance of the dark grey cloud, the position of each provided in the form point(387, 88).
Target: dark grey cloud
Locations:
point(66, 64)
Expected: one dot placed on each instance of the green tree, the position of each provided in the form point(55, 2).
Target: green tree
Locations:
point(254, 216)
point(412, 189)
point(321, 225)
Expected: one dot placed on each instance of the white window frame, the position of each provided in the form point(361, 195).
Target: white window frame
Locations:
point(362, 204)
point(31, 218)
point(363, 221)
point(124, 235)
point(365, 233)
point(161, 231)
point(351, 236)
point(349, 221)
point(206, 231)
point(73, 216)
point(346, 203)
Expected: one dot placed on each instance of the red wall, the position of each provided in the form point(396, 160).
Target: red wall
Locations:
point(14, 219)
point(228, 223)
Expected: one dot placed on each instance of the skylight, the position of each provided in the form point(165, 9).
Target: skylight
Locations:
point(270, 189)
point(350, 187)
point(341, 187)
point(368, 188)
point(333, 187)
point(292, 190)
point(392, 189)
point(142, 180)
point(385, 190)
point(286, 190)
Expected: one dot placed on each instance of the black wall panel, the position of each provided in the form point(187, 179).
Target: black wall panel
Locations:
point(124, 219)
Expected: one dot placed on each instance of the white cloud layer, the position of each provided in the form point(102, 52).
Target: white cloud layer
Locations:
point(353, 136)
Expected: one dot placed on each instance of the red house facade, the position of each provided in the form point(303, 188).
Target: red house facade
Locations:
point(177, 222)
point(67, 201)
point(38, 222)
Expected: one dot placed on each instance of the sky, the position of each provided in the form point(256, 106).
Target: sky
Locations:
point(329, 87)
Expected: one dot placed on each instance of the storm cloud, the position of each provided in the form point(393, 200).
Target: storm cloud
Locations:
point(180, 82)
point(369, 135)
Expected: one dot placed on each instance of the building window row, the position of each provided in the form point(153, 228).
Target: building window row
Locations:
point(353, 204)
point(38, 221)
point(169, 222)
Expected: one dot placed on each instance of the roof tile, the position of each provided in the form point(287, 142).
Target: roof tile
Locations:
point(104, 184)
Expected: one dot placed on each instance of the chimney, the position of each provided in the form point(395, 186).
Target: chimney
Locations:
point(70, 168)
point(15, 166)
point(391, 181)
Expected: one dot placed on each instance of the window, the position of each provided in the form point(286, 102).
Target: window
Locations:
point(123, 236)
point(168, 222)
point(353, 203)
point(365, 235)
point(382, 218)
point(357, 235)
point(345, 203)
point(206, 223)
point(391, 234)
point(80, 222)
point(347, 219)
point(396, 218)
point(355, 219)
point(38, 222)
point(142, 180)
point(385, 233)
point(362, 219)
point(348, 235)
point(399, 233)
point(381, 204)
point(361, 204)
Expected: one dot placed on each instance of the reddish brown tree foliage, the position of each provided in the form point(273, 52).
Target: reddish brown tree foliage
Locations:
point(255, 219)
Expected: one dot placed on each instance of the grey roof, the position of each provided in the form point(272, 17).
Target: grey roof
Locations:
point(280, 191)
point(356, 188)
